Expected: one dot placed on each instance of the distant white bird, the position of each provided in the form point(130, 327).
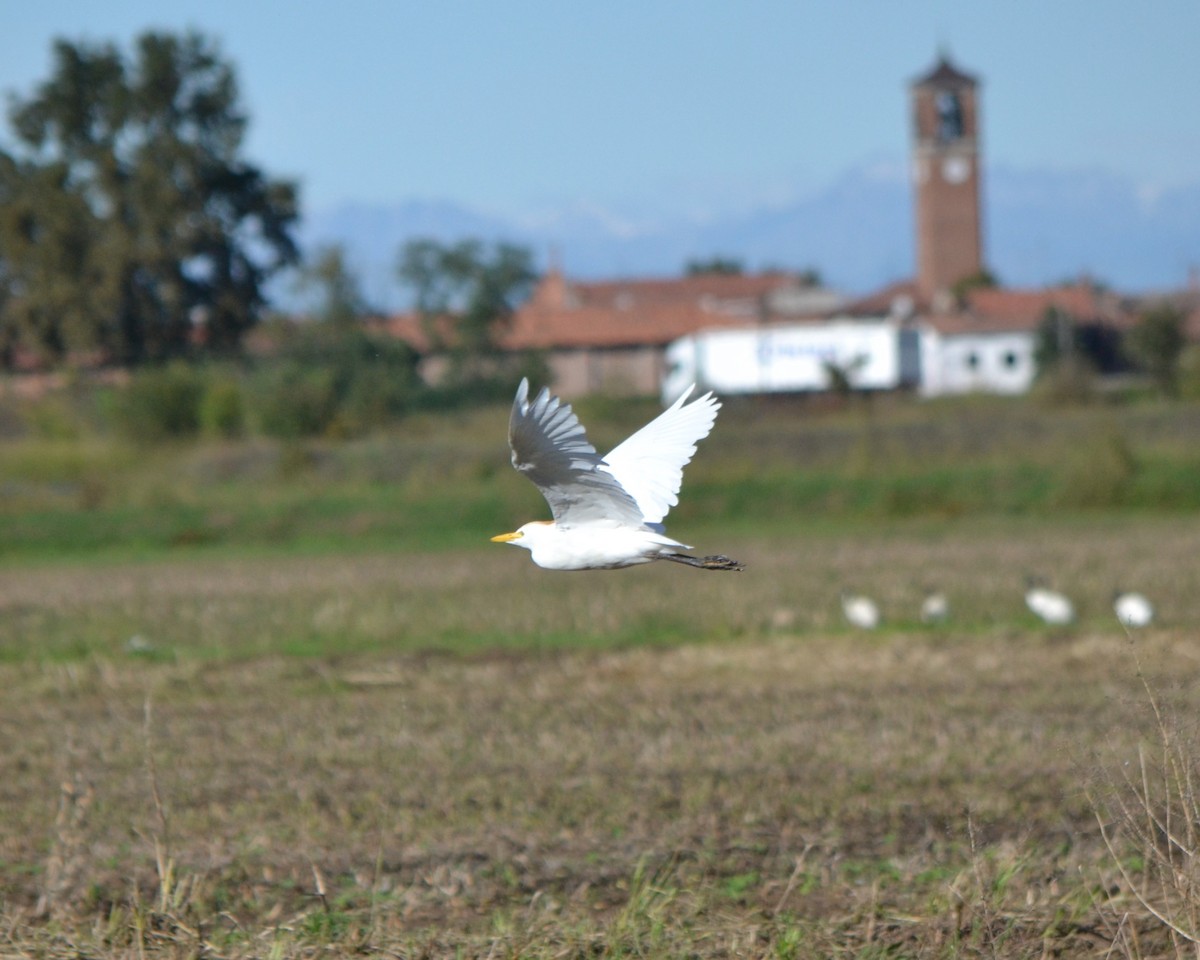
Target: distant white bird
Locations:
point(1133, 609)
point(860, 611)
point(1050, 605)
point(608, 511)
point(138, 644)
point(935, 608)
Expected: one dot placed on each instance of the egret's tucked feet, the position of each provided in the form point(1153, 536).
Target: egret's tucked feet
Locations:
point(716, 562)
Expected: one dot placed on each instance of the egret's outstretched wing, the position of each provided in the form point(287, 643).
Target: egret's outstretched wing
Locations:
point(551, 449)
point(649, 465)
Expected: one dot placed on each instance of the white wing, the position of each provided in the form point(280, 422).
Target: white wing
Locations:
point(551, 449)
point(649, 465)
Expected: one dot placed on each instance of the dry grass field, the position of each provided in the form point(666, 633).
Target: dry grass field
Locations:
point(454, 753)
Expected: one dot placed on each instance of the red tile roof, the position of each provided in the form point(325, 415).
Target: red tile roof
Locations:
point(997, 310)
point(636, 312)
point(411, 328)
point(693, 289)
point(649, 325)
point(567, 315)
point(624, 313)
point(883, 300)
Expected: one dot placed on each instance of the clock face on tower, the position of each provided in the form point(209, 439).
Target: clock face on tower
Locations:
point(956, 169)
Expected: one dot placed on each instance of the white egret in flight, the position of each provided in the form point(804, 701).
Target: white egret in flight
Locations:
point(608, 511)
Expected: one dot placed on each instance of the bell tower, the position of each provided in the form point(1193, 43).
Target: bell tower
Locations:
point(945, 119)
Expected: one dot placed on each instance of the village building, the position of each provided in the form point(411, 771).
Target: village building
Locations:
point(969, 335)
point(612, 336)
point(947, 330)
point(985, 340)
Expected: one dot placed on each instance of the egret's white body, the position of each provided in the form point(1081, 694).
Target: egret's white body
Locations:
point(1051, 606)
point(607, 511)
point(935, 608)
point(860, 611)
point(1133, 609)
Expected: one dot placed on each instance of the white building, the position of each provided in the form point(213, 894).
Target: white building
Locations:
point(872, 353)
point(984, 344)
point(976, 362)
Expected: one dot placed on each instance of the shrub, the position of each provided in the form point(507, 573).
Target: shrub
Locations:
point(51, 418)
point(376, 380)
point(333, 379)
point(222, 413)
point(1069, 381)
point(296, 401)
point(1189, 372)
point(1156, 343)
point(495, 385)
point(161, 403)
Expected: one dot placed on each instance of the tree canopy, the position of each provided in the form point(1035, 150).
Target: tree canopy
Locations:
point(727, 266)
point(473, 289)
point(1156, 343)
point(131, 227)
point(333, 288)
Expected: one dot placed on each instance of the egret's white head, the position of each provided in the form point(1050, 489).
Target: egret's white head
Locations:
point(527, 535)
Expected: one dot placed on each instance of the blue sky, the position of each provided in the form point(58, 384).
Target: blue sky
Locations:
point(510, 107)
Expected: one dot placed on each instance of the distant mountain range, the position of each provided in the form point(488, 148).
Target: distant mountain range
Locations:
point(1039, 228)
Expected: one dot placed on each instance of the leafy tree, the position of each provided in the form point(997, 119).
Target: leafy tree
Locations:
point(1063, 376)
point(129, 216)
point(329, 378)
point(1156, 344)
point(728, 266)
point(805, 276)
point(334, 376)
point(1056, 340)
point(162, 403)
point(466, 294)
point(982, 279)
point(841, 375)
point(338, 292)
point(51, 281)
point(1069, 355)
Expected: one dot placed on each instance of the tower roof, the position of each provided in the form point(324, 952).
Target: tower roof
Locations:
point(945, 74)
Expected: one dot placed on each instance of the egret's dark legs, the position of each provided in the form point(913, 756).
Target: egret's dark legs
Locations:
point(717, 562)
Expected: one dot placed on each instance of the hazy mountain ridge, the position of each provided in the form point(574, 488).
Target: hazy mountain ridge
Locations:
point(1039, 227)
